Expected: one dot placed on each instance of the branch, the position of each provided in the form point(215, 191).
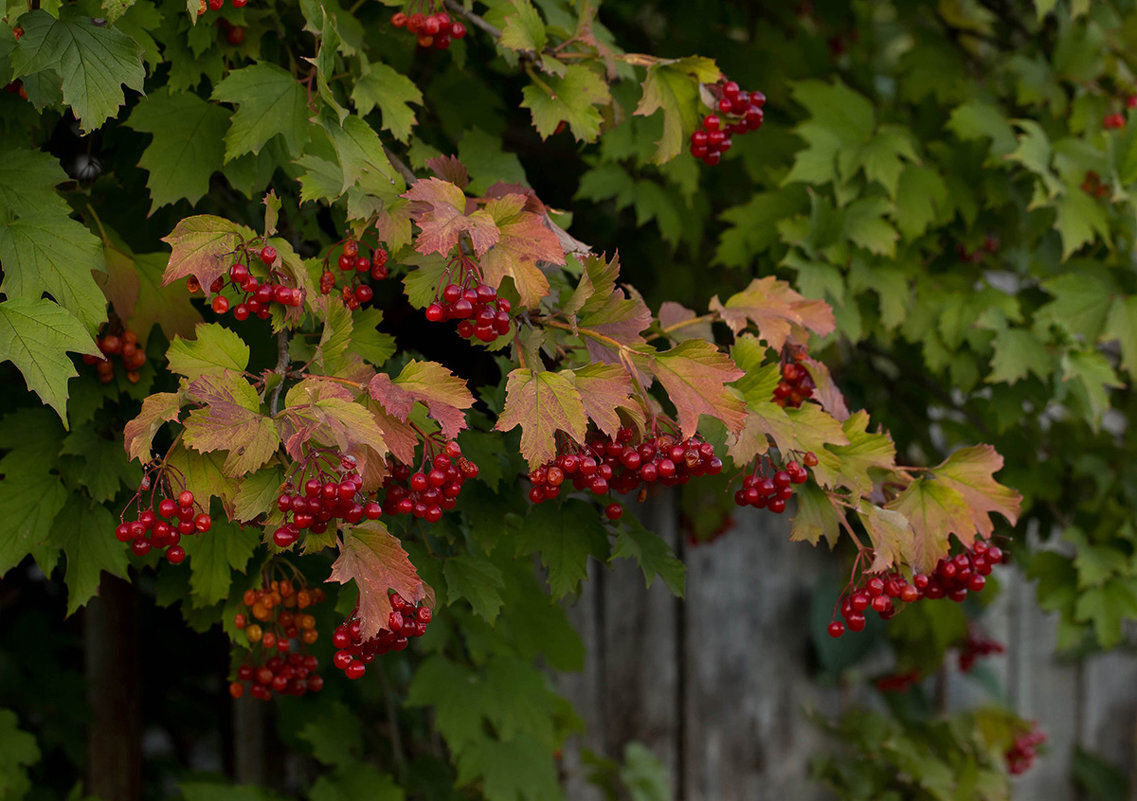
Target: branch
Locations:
point(400, 166)
point(282, 363)
point(473, 18)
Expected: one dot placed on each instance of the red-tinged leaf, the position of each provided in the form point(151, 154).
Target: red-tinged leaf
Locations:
point(326, 413)
point(865, 452)
point(934, 510)
point(694, 374)
point(439, 209)
point(525, 240)
point(597, 280)
point(826, 393)
point(817, 516)
point(970, 472)
point(231, 421)
point(621, 317)
point(159, 408)
point(401, 439)
point(542, 404)
point(806, 429)
point(448, 168)
point(503, 188)
point(443, 393)
point(375, 560)
point(680, 323)
point(890, 533)
point(604, 389)
point(203, 247)
point(393, 225)
point(765, 422)
point(780, 313)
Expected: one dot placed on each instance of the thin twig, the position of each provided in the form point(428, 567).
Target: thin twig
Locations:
point(282, 362)
point(400, 166)
point(473, 18)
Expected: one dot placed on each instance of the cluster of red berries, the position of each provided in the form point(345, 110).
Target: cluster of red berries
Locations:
point(151, 531)
point(480, 312)
point(767, 488)
point(1093, 186)
point(324, 499)
point(217, 5)
point(974, 647)
point(354, 653)
point(1020, 756)
point(1113, 121)
point(427, 492)
point(258, 298)
point(622, 466)
point(990, 245)
point(234, 34)
point(739, 111)
point(433, 30)
point(278, 641)
point(796, 385)
point(355, 265)
point(124, 346)
point(953, 577)
point(897, 682)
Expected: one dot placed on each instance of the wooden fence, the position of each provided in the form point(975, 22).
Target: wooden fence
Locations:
point(717, 685)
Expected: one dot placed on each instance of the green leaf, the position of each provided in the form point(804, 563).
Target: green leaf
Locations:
point(270, 102)
point(891, 536)
point(1105, 607)
point(865, 452)
point(216, 791)
point(921, 197)
point(336, 734)
point(30, 502)
point(934, 510)
point(367, 341)
point(520, 769)
point(654, 556)
point(1121, 325)
point(971, 473)
point(362, 158)
point(523, 29)
point(1080, 220)
point(841, 110)
point(866, 227)
point(565, 535)
point(92, 61)
point(54, 255)
point(106, 468)
point(1017, 353)
point(1082, 301)
point(979, 119)
point(542, 403)
point(817, 516)
point(214, 555)
point(645, 776)
point(187, 147)
point(35, 335)
point(378, 85)
point(203, 474)
point(216, 349)
point(476, 579)
point(356, 780)
point(18, 751)
point(85, 532)
point(27, 181)
point(880, 158)
point(231, 420)
point(258, 493)
point(1089, 375)
point(571, 98)
point(673, 87)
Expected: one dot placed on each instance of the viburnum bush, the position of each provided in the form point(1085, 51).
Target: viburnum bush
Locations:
point(310, 348)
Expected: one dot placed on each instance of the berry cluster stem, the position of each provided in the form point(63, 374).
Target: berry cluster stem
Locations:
point(282, 363)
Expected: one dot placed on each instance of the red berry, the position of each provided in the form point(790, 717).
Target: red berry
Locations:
point(836, 628)
point(185, 499)
point(203, 522)
point(220, 304)
point(268, 254)
point(614, 511)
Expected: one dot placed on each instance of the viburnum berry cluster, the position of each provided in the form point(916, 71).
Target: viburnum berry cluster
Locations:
point(425, 493)
point(975, 646)
point(323, 499)
point(767, 486)
point(1093, 186)
point(355, 265)
point(796, 385)
point(1020, 756)
point(176, 516)
point(217, 5)
point(480, 313)
point(435, 28)
point(953, 577)
point(278, 659)
point(897, 682)
point(125, 346)
point(738, 112)
point(621, 465)
point(354, 653)
point(258, 298)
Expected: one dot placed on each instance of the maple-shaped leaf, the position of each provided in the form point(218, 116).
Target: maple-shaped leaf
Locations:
point(680, 323)
point(92, 61)
point(270, 101)
point(542, 403)
point(138, 434)
point(525, 240)
point(806, 429)
point(934, 511)
point(597, 280)
point(216, 348)
point(374, 559)
point(571, 98)
point(257, 493)
point(379, 85)
point(133, 285)
point(673, 86)
point(765, 422)
point(826, 392)
point(865, 452)
point(439, 209)
point(780, 313)
point(449, 168)
point(970, 472)
point(327, 413)
point(620, 316)
point(817, 516)
point(203, 247)
point(231, 421)
point(891, 535)
point(400, 437)
point(443, 393)
point(695, 374)
point(604, 389)
point(203, 475)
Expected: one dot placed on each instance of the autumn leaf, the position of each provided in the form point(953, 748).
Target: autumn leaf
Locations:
point(605, 389)
point(375, 560)
point(934, 511)
point(970, 472)
point(203, 247)
point(778, 311)
point(826, 392)
point(681, 323)
point(443, 393)
point(695, 374)
point(138, 434)
point(326, 412)
point(525, 240)
point(231, 421)
point(865, 452)
point(542, 403)
point(890, 533)
point(439, 209)
point(450, 169)
point(817, 516)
